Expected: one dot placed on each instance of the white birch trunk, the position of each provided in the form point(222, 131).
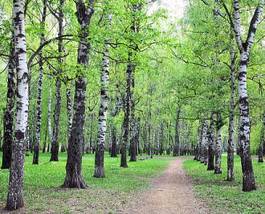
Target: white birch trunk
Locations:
point(39, 90)
point(15, 197)
point(204, 144)
point(102, 120)
point(69, 104)
point(244, 130)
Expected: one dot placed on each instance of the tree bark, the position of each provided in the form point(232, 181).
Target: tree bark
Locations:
point(231, 126)
point(161, 139)
point(133, 123)
point(39, 90)
point(15, 195)
point(262, 139)
point(176, 151)
point(74, 178)
point(204, 144)
point(244, 132)
point(218, 145)
point(57, 110)
point(134, 140)
point(103, 110)
point(69, 105)
point(211, 144)
point(49, 118)
point(9, 111)
point(132, 120)
point(45, 138)
point(198, 147)
point(127, 112)
point(113, 142)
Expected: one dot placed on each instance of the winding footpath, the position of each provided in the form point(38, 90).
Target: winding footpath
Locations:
point(170, 193)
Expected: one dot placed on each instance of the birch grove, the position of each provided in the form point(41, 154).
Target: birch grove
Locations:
point(107, 93)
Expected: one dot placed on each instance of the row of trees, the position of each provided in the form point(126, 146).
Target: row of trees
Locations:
point(90, 76)
point(229, 51)
point(110, 36)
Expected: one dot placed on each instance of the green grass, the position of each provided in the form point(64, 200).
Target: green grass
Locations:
point(226, 197)
point(43, 193)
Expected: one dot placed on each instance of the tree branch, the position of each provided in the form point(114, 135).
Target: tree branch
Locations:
point(43, 45)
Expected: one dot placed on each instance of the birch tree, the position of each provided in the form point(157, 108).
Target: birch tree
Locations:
point(204, 143)
point(15, 188)
point(39, 90)
point(262, 141)
point(74, 178)
point(244, 48)
point(9, 111)
point(231, 126)
point(69, 106)
point(57, 110)
point(218, 144)
point(102, 118)
point(211, 138)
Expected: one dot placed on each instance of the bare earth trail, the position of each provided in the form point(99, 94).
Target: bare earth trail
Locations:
point(170, 193)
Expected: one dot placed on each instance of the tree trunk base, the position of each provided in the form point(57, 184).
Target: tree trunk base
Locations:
point(54, 159)
point(76, 182)
point(210, 168)
point(217, 171)
point(5, 165)
point(248, 183)
point(124, 159)
point(35, 158)
point(14, 203)
point(230, 179)
point(125, 165)
point(133, 159)
point(35, 162)
point(99, 172)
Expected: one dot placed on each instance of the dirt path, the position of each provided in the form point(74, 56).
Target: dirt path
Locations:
point(170, 193)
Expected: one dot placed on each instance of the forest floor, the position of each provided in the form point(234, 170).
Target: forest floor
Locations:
point(170, 193)
point(162, 185)
point(227, 197)
point(43, 194)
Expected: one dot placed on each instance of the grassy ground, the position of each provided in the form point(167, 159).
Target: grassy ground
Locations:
point(227, 197)
point(43, 193)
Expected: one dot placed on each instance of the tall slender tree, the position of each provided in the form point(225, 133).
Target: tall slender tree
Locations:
point(127, 112)
point(244, 48)
point(135, 28)
point(39, 90)
point(15, 189)
point(218, 144)
point(69, 105)
point(262, 141)
point(204, 143)
point(9, 111)
point(231, 126)
point(211, 144)
point(74, 178)
point(57, 110)
point(102, 118)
